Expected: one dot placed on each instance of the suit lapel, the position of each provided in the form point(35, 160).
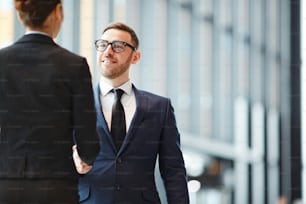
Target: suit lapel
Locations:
point(141, 108)
point(100, 118)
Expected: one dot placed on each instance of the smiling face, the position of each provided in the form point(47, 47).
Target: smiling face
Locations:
point(114, 66)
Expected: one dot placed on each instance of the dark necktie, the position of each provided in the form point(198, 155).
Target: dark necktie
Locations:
point(118, 129)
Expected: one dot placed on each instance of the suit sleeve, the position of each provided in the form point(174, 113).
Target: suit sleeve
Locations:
point(171, 162)
point(84, 116)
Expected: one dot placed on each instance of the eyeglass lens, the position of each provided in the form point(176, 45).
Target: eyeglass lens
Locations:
point(117, 46)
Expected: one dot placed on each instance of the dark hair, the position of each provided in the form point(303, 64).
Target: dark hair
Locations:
point(124, 27)
point(33, 13)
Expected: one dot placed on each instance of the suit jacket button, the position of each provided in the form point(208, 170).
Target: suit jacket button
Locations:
point(119, 160)
point(117, 187)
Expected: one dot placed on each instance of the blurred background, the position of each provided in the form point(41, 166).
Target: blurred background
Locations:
point(233, 70)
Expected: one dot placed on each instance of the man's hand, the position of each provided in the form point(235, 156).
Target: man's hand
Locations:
point(82, 167)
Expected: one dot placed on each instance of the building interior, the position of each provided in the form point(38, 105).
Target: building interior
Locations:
point(233, 70)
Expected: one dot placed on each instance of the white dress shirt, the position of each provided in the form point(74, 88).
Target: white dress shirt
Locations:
point(128, 101)
point(36, 32)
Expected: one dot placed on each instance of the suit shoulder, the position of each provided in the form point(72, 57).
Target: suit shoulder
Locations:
point(68, 53)
point(6, 48)
point(7, 52)
point(153, 95)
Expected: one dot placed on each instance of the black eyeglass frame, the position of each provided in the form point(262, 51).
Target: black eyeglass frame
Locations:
point(112, 43)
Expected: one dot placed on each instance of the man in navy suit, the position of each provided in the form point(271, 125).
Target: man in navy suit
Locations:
point(46, 106)
point(123, 172)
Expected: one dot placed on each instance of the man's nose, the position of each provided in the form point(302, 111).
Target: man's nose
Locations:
point(109, 48)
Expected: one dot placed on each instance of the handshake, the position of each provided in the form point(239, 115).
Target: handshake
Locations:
point(81, 167)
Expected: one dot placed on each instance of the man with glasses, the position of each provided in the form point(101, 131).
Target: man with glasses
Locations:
point(124, 169)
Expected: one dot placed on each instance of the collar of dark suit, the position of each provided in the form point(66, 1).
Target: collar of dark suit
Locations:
point(35, 37)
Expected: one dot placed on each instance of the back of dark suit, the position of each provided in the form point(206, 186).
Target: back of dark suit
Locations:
point(46, 104)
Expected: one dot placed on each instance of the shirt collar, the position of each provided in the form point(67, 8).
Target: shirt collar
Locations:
point(105, 88)
point(35, 32)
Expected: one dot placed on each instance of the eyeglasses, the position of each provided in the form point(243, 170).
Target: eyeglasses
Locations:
point(117, 46)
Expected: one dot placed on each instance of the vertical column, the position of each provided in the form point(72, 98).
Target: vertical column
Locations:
point(272, 155)
point(258, 189)
point(285, 100)
point(273, 99)
point(102, 15)
point(69, 36)
point(183, 68)
point(172, 54)
point(227, 71)
point(153, 41)
point(119, 10)
point(134, 18)
point(87, 30)
point(201, 70)
point(303, 98)
point(7, 24)
point(294, 187)
point(205, 69)
point(258, 148)
point(241, 128)
point(240, 73)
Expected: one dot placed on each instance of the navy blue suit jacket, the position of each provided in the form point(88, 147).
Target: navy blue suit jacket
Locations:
point(127, 176)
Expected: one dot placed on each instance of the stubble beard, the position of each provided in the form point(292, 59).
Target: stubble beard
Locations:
point(111, 72)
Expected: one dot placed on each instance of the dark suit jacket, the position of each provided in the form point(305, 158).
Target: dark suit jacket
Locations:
point(127, 176)
point(46, 100)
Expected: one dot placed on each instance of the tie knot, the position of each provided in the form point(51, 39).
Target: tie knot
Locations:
point(118, 93)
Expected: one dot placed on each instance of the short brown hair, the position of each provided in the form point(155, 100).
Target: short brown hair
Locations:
point(33, 13)
point(124, 27)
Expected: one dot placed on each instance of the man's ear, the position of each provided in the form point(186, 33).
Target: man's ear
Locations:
point(136, 57)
